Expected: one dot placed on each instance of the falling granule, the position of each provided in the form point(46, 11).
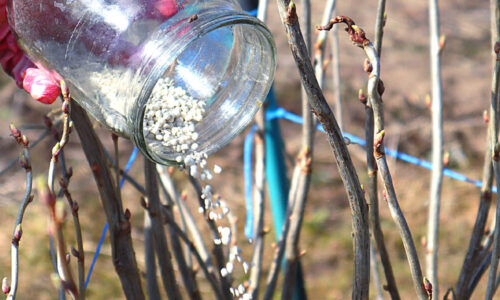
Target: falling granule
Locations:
point(170, 120)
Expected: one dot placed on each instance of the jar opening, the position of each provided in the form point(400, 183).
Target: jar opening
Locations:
point(210, 92)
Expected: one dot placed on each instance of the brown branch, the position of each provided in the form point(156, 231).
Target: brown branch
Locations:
point(345, 166)
point(119, 226)
point(187, 273)
point(375, 88)
point(201, 262)
point(78, 253)
point(474, 249)
point(152, 289)
point(217, 249)
point(160, 241)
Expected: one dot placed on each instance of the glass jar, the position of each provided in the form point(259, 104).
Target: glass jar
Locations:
point(118, 55)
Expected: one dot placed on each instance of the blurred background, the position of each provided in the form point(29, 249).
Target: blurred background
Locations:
point(326, 234)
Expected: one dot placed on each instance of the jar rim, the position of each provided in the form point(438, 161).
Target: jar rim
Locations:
point(213, 20)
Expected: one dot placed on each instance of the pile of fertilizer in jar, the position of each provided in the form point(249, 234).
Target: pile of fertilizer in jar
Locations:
point(170, 119)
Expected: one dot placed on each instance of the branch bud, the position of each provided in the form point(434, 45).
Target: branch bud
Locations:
point(55, 149)
point(18, 232)
point(24, 162)
point(75, 252)
point(496, 48)
point(128, 215)
point(380, 87)
point(25, 141)
point(5, 286)
point(428, 101)
point(362, 97)
point(16, 133)
point(367, 66)
point(428, 287)
point(486, 116)
point(64, 89)
point(442, 42)
point(446, 159)
point(144, 203)
point(65, 107)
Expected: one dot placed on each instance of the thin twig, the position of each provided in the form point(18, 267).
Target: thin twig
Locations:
point(160, 241)
point(217, 250)
point(300, 184)
point(193, 229)
point(375, 274)
point(495, 146)
point(259, 192)
point(152, 289)
point(474, 248)
point(259, 208)
point(437, 149)
point(187, 273)
point(320, 44)
point(374, 218)
point(25, 163)
point(78, 253)
point(373, 201)
point(55, 204)
point(359, 209)
point(201, 262)
point(336, 76)
point(174, 198)
point(275, 268)
point(292, 253)
point(375, 89)
point(31, 146)
point(119, 224)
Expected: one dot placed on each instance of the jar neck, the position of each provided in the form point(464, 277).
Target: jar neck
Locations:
point(165, 45)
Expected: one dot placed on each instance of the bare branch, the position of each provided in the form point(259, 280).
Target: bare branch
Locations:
point(495, 149)
point(193, 229)
point(187, 273)
point(79, 254)
point(201, 262)
point(119, 225)
point(275, 268)
point(375, 88)
point(437, 149)
point(259, 208)
point(217, 250)
point(160, 241)
point(152, 288)
point(25, 162)
point(347, 172)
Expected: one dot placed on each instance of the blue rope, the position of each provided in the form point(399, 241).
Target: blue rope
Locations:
point(131, 160)
point(281, 113)
point(247, 171)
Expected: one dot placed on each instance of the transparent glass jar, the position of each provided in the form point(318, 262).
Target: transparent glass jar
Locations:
point(112, 54)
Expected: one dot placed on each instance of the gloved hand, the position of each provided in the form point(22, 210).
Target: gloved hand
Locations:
point(37, 82)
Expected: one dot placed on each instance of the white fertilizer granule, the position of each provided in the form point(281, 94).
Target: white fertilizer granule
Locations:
point(170, 120)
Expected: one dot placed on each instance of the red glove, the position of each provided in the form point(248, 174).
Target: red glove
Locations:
point(37, 82)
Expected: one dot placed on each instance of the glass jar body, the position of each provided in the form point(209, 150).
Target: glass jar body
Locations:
point(112, 54)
